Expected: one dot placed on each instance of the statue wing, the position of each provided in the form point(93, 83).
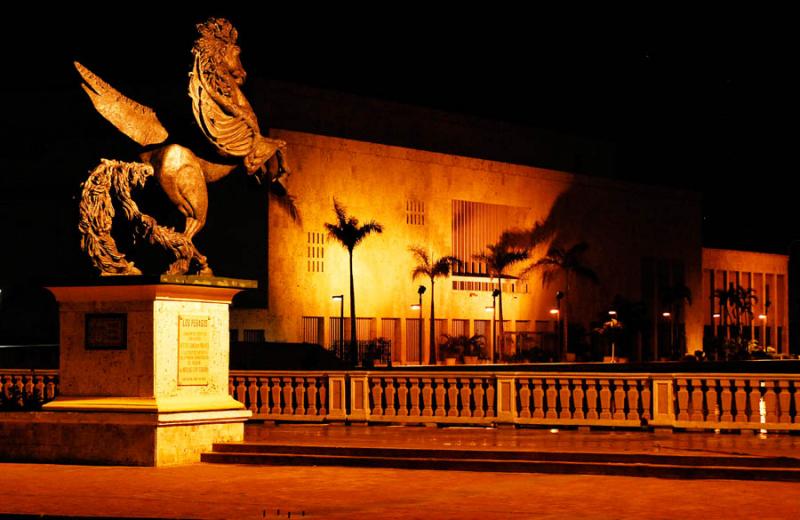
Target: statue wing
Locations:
point(137, 121)
point(228, 123)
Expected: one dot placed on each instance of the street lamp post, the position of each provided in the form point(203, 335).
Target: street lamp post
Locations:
point(418, 306)
point(340, 297)
point(493, 349)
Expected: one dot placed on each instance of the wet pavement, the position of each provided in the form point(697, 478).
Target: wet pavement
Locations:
point(234, 491)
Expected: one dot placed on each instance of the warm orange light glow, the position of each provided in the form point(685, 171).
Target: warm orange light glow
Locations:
point(337, 297)
point(666, 314)
point(612, 313)
point(489, 308)
point(762, 317)
point(415, 307)
point(716, 315)
point(554, 311)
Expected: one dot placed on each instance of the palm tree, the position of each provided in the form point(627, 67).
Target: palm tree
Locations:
point(498, 259)
point(349, 234)
point(673, 297)
point(433, 269)
point(567, 261)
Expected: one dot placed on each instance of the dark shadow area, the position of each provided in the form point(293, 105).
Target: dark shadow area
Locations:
point(283, 356)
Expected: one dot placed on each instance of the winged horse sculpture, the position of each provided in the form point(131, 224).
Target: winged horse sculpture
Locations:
point(226, 119)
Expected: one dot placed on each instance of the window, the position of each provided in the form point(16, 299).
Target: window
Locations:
point(313, 330)
point(415, 212)
point(315, 252)
point(477, 224)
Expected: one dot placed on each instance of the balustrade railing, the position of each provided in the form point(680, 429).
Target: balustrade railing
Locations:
point(27, 389)
point(700, 400)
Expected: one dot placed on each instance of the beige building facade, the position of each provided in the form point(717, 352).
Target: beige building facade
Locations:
point(640, 238)
point(768, 277)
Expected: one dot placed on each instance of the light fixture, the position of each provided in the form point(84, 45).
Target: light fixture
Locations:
point(415, 306)
point(716, 315)
point(666, 314)
point(612, 313)
point(554, 311)
point(489, 308)
point(762, 317)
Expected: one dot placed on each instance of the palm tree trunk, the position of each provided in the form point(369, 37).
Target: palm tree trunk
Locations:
point(353, 345)
point(432, 354)
point(501, 351)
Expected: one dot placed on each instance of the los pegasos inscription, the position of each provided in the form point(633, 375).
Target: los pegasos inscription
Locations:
point(193, 340)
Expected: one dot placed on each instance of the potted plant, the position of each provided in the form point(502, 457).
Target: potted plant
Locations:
point(451, 348)
point(474, 349)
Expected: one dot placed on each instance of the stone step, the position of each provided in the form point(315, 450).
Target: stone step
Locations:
point(733, 460)
point(458, 460)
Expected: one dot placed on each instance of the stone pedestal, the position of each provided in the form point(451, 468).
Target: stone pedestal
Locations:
point(143, 372)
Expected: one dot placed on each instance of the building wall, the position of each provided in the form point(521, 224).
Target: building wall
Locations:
point(625, 225)
point(767, 275)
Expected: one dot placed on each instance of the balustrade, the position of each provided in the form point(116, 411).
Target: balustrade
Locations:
point(710, 401)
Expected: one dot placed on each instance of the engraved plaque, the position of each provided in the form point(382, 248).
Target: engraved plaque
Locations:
point(193, 339)
point(106, 332)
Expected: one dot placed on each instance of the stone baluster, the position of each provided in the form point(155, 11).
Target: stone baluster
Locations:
point(402, 397)
point(771, 403)
point(696, 403)
point(796, 386)
point(563, 399)
point(20, 385)
point(252, 394)
point(232, 386)
point(38, 389)
point(241, 390)
point(377, 396)
point(683, 400)
point(784, 413)
point(725, 399)
point(712, 404)
point(633, 399)
point(605, 400)
point(323, 396)
point(524, 393)
point(439, 411)
point(591, 400)
point(50, 388)
point(452, 397)
point(490, 398)
point(477, 396)
point(646, 395)
point(740, 398)
point(619, 399)
point(551, 395)
point(755, 401)
point(415, 391)
point(287, 396)
point(311, 395)
point(389, 397)
point(263, 390)
point(299, 394)
point(427, 397)
point(5, 387)
point(577, 398)
point(276, 395)
point(466, 398)
point(28, 386)
point(538, 399)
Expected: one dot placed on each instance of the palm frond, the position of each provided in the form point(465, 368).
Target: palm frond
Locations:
point(286, 201)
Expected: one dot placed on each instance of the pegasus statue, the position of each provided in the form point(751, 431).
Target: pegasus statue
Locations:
point(226, 119)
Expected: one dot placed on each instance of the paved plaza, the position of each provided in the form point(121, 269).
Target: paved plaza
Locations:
point(242, 491)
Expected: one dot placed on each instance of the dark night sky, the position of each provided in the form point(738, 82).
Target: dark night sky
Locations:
point(696, 102)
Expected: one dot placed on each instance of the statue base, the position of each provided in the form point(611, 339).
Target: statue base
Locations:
point(143, 375)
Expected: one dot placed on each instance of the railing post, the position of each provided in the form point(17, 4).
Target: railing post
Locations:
point(337, 400)
point(663, 401)
point(506, 399)
point(359, 397)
